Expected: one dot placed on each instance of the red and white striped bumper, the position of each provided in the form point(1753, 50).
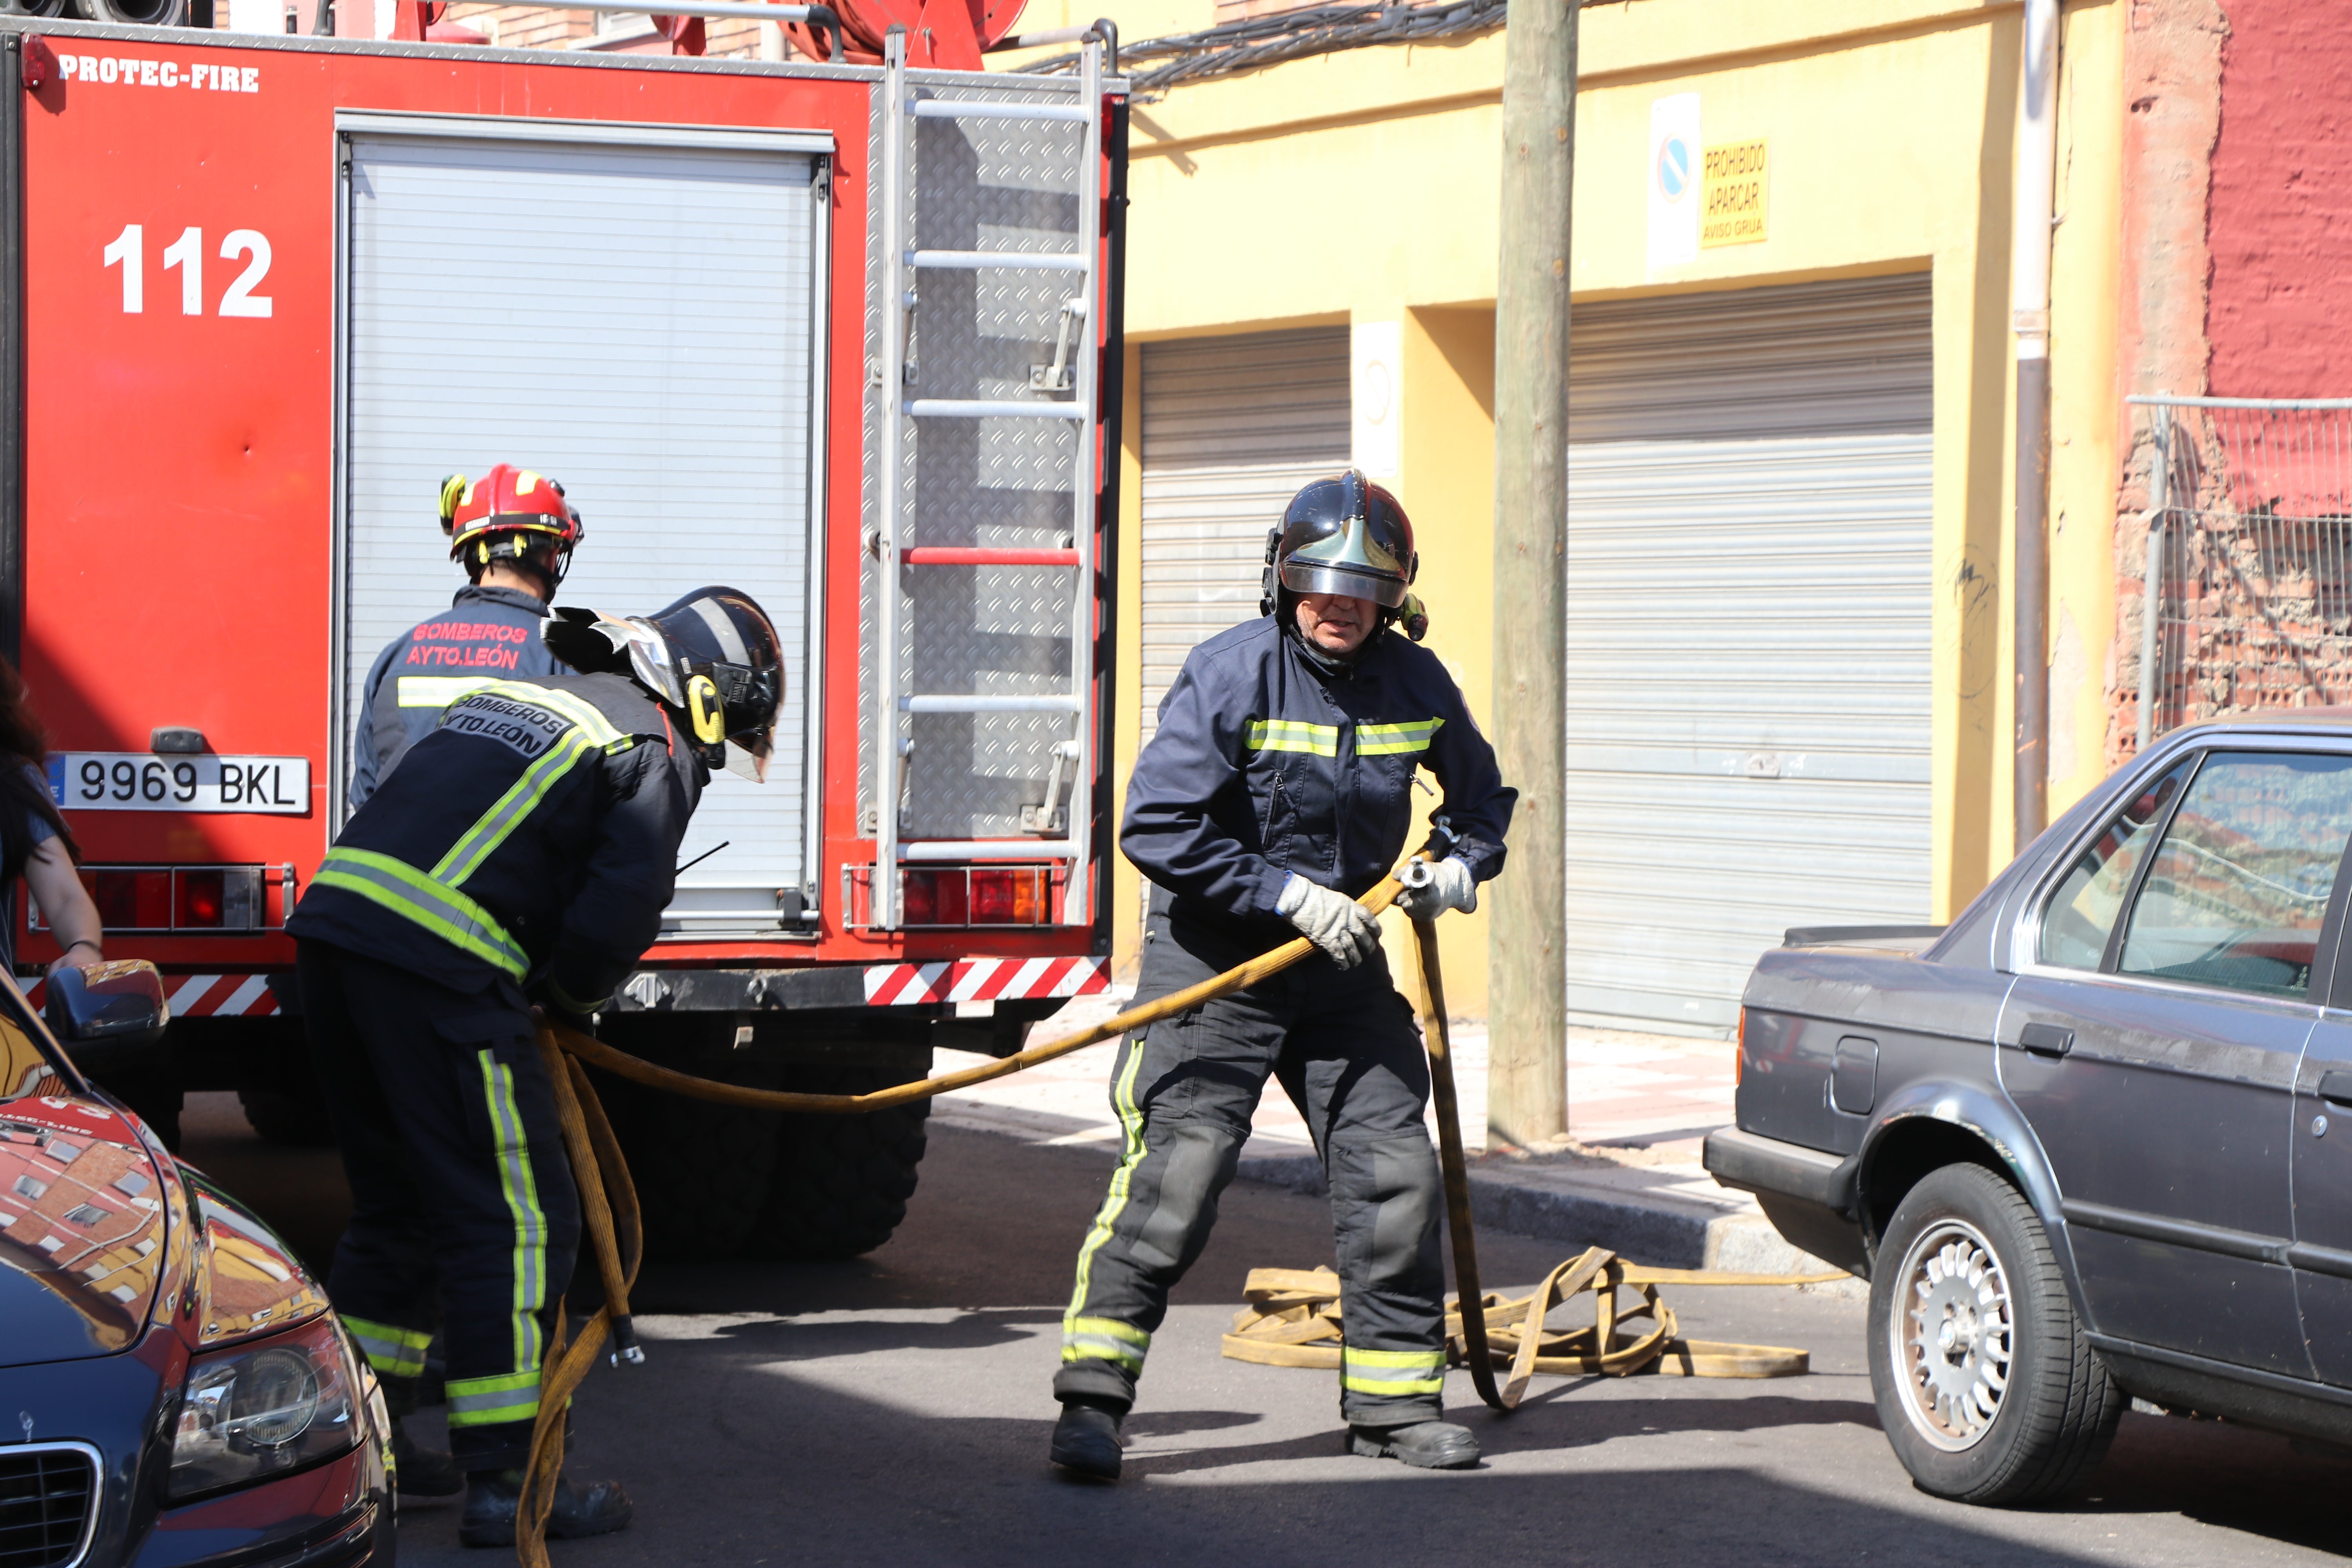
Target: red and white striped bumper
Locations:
point(985, 980)
point(202, 995)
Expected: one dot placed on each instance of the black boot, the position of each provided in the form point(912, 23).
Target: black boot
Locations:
point(1425, 1445)
point(1085, 1442)
point(493, 1498)
point(423, 1472)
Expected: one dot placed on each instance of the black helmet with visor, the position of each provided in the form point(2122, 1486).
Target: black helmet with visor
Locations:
point(713, 655)
point(1342, 535)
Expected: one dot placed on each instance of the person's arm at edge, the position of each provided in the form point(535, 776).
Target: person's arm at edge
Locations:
point(56, 885)
point(1477, 803)
point(1168, 832)
point(632, 874)
point(363, 779)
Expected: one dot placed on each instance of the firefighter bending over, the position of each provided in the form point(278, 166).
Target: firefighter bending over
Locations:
point(1278, 788)
point(522, 854)
point(514, 533)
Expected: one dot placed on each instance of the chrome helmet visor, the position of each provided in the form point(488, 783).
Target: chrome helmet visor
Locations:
point(1302, 576)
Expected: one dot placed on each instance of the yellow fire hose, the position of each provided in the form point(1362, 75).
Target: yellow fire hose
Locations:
point(1293, 1320)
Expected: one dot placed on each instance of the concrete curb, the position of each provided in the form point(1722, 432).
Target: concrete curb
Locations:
point(1666, 1232)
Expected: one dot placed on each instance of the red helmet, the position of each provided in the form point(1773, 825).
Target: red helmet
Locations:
point(507, 513)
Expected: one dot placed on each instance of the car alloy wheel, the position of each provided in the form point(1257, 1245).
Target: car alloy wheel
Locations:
point(1953, 1334)
point(1987, 1386)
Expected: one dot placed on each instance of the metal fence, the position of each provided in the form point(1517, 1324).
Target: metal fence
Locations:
point(2247, 587)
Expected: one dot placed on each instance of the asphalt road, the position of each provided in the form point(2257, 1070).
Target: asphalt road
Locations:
point(894, 1411)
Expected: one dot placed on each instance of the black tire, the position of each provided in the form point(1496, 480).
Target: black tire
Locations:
point(135, 13)
point(292, 1119)
point(842, 1182)
point(701, 1169)
point(1992, 1287)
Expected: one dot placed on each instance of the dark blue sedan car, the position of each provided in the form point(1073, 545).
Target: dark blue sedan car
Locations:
point(173, 1389)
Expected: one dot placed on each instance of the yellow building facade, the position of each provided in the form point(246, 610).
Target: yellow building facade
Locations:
point(1852, 140)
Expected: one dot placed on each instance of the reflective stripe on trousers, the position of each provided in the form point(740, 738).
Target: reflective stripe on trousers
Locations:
point(485, 1401)
point(1105, 1339)
point(392, 1350)
point(1392, 1372)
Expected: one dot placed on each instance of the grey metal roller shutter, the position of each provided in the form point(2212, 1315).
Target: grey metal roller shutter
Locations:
point(1748, 613)
point(636, 321)
point(1231, 427)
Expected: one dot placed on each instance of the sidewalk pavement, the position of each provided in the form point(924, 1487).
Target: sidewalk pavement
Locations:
point(1639, 1106)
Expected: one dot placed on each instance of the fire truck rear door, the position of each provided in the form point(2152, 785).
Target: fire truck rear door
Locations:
point(627, 309)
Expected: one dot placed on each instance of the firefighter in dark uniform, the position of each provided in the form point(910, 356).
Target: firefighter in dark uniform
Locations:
point(514, 533)
point(522, 854)
point(1277, 789)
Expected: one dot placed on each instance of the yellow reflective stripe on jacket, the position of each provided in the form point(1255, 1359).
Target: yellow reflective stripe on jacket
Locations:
point(522, 798)
point(437, 691)
point(1392, 1372)
point(599, 729)
point(447, 913)
point(1394, 740)
point(1292, 735)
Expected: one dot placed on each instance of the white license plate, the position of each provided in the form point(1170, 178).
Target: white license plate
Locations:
point(142, 780)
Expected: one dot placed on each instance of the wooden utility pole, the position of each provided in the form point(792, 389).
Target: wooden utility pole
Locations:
point(1526, 988)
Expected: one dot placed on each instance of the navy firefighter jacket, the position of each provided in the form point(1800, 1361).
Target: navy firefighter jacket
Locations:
point(1269, 761)
point(487, 634)
point(532, 836)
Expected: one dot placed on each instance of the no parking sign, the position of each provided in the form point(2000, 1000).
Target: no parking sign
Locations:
point(1674, 178)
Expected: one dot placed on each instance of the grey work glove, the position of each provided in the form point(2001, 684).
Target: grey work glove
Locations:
point(1333, 921)
point(1450, 886)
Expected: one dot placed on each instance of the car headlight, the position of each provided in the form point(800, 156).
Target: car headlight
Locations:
point(259, 1410)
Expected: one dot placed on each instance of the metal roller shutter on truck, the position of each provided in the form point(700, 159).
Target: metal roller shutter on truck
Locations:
point(1749, 625)
point(632, 319)
point(1232, 427)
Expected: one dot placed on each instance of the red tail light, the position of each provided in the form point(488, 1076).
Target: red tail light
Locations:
point(196, 898)
point(977, 896)
point(181, 898)
point(132, 900)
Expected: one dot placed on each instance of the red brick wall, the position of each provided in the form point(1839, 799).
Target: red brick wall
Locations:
point(2279, 218)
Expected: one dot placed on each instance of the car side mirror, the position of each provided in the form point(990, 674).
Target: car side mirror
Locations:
point(122, 1000)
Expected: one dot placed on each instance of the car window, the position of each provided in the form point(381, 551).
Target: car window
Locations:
point(2076, 925)
point(2238, 888)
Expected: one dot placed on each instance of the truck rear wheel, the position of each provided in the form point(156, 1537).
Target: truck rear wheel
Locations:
point(841, 1183)
point(293, 1117)
point(701, 1169)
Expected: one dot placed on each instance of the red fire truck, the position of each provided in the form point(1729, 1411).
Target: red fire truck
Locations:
point(845, 337)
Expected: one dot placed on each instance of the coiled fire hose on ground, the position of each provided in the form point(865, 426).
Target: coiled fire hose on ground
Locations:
point(1299, 1317)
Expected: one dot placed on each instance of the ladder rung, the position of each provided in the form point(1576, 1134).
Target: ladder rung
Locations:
point(962, 704)
point(967, 109)
point(988, 849)
point(974, 261)
point(961, 555)
point(983, 409)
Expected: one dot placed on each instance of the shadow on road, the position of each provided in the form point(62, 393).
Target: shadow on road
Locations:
point(905, 1436)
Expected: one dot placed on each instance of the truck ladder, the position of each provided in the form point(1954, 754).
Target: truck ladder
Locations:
point(902, 268)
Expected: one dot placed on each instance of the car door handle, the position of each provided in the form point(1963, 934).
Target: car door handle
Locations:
point(2053, 1040)
point(2336, 1086)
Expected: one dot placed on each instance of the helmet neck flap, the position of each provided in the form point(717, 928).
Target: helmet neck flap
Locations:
point(713, 657)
